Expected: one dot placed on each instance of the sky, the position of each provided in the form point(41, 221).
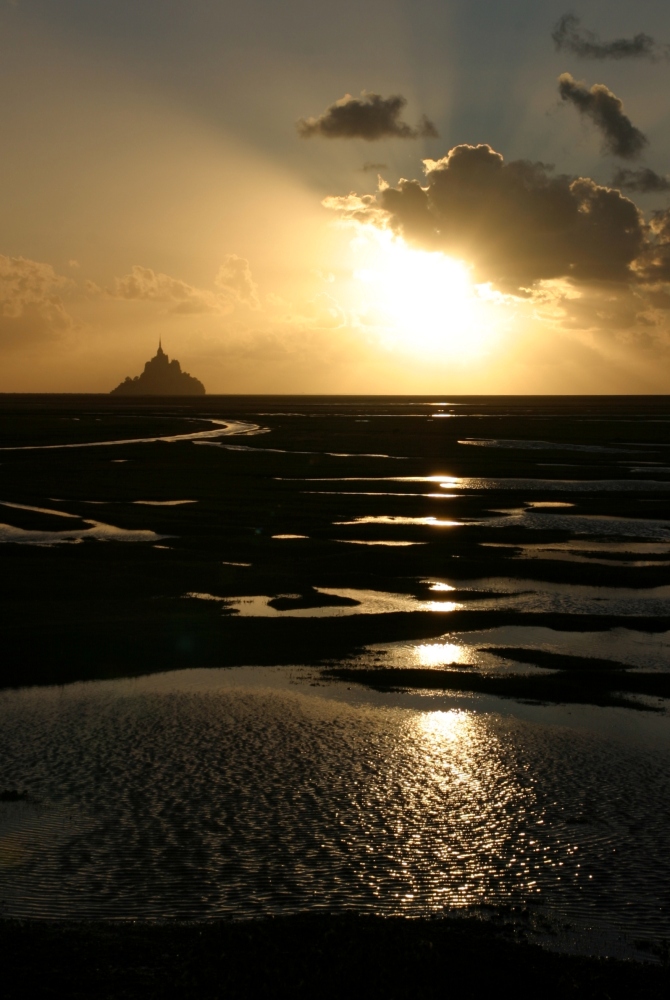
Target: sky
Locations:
point(460, 196)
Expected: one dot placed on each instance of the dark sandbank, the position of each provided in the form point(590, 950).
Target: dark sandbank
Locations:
point(94, 609)
point(308, 956)
point(586, 687)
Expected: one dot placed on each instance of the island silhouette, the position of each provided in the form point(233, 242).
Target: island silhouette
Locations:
point(161, 377)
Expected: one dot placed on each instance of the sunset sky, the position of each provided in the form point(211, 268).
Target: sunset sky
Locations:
point(291, 194)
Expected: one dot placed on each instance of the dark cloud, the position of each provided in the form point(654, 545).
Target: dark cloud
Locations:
point(620, 137)
point(644, 180)
point(653, 265)
point(369, 116)
point(368, 167)
point(516, 224)
point(569, 36)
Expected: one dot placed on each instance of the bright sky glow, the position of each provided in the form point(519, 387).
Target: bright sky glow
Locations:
point(424, 303)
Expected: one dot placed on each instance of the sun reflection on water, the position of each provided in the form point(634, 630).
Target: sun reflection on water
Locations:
point(469, 801)
point(439, 726)
point(216, 793)
point(437, 654)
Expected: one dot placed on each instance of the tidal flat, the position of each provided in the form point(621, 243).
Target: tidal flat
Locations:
point(387, 656)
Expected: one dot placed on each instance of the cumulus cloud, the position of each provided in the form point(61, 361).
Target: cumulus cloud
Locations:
point(516, 224)
point(234, 279)
point(369, 116)
point(653, 264)
point(620, 137)
point(607, 307)
point(569, 36)
point(581, 254)
point(645, 180)
point(143, 283)
point(31, 304)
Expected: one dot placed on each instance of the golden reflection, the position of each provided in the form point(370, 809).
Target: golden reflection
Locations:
point(453, 813)
point(452, 725)
point(437, 654)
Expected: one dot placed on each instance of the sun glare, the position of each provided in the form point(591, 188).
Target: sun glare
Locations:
point(423, 302)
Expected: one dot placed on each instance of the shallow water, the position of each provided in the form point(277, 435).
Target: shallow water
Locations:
point(544, 485)
point(163, 503)
point(253, 791)
point(432, 522)
point(225, 428)
point(287, 451)
point(637, 649)
point(580, 524)
point(94, 531)
point(590, 552)
point(526, 596)
point(527, 445)
point(368, 602)
point(241, 793)
point(388, 543)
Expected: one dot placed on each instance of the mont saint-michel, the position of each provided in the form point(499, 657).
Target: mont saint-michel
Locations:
point(161, 377)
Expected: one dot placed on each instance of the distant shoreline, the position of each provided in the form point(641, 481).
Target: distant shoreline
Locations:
point(129, 399)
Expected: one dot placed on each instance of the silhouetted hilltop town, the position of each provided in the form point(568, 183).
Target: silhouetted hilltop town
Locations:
point(161, 377)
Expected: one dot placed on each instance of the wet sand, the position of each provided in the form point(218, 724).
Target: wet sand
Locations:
point(305, 956)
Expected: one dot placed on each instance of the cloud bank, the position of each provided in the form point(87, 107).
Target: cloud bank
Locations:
point(370, 116)
point(516, 223)
point(620, 137)
point(569, 36)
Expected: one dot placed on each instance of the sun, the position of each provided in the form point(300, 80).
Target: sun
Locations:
point(422, 302)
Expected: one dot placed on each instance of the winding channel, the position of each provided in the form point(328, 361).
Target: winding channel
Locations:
point(224, 428)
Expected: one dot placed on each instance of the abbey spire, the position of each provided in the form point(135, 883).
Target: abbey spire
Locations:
point(161, 377)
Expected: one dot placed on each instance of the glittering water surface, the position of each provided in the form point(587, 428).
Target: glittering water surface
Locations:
point(267, 790)
point(648, 651)
point(238, 793)
point(363, 602)
point(488, 483)
point(498, 593)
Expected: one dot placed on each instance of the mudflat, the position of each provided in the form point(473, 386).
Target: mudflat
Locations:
point(388, 656)
point(126, 558)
